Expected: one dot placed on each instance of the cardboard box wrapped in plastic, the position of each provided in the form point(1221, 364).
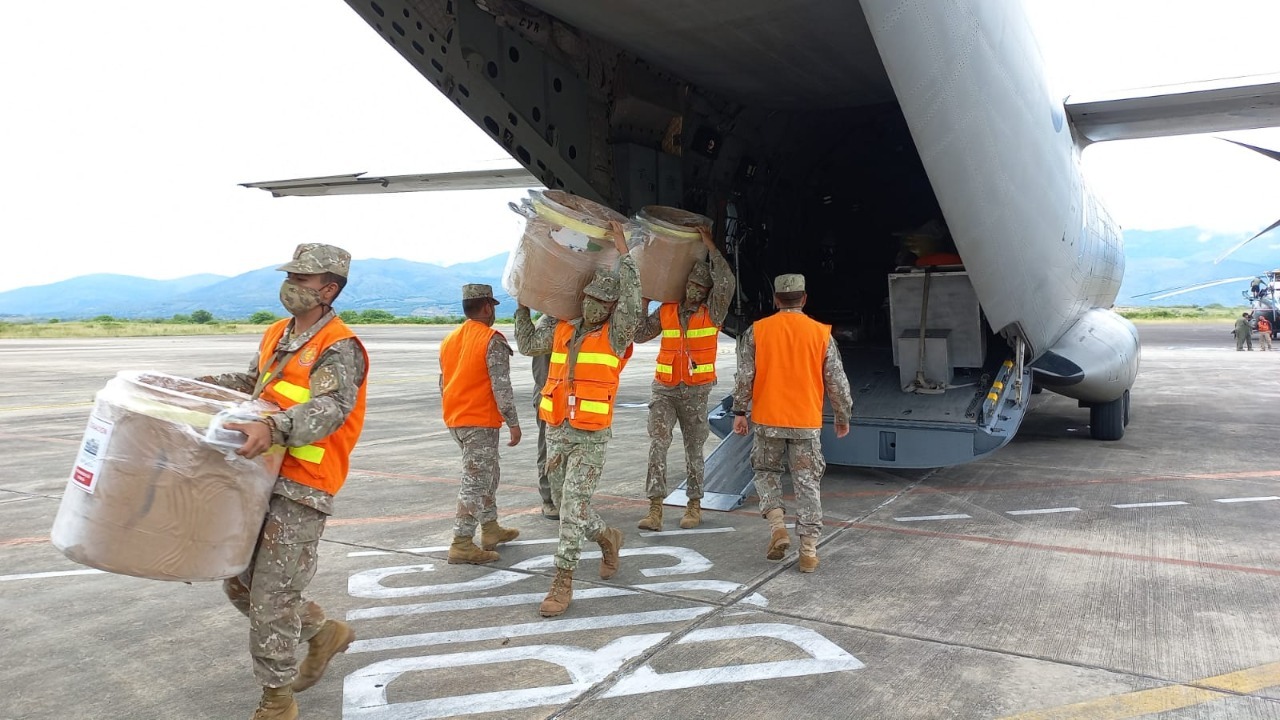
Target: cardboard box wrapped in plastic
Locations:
point(669, 246)
point(564, 241)
point(151, 497)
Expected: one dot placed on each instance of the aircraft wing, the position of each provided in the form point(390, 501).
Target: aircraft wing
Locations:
point(359, 184)
point(1243, 103)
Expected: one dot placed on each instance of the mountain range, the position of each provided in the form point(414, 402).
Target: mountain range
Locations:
point(1154, 260)
point(402, 287)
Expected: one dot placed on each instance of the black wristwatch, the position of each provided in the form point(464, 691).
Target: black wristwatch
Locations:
point(740, 413)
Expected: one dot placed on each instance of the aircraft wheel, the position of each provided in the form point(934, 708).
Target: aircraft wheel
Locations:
point(1106, 420)
point(1126, 408)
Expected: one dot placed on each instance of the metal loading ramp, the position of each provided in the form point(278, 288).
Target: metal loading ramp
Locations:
point(728, 478)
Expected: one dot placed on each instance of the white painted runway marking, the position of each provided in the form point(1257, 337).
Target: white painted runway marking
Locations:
point(442, 548)
point(718, 586)
point(37, 576)
point(545, 627)
point(1042, 511)
point(934, 517)
point(695, 531)
point(1247, 499)
point(1166, 503)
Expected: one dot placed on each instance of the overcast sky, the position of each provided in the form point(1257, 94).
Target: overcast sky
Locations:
point(127, 126)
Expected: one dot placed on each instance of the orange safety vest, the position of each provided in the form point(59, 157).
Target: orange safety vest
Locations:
point(689, 356)
point(322, 465)
point(1264, 326)
point(791, 349)
point(468, 391)
point(587, 402)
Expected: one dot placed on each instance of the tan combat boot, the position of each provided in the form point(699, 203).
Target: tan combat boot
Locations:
point(464, 551)
point(492, 534)
point(277, 704)
point(653, 521)
point(550, 511)
point(561, 594)
point(779, 541)
point(692, 515)
point(808, 553)
point(334, 637)
point(610, 540)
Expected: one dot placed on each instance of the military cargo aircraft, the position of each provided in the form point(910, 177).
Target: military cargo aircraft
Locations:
point(908, 157)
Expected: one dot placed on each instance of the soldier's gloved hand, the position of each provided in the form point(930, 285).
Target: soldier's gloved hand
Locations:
point(740, 424)
point(514, 431)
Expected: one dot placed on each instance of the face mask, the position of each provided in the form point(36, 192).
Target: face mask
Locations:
point(594, 312)
point(297, 299)
point(695, 294)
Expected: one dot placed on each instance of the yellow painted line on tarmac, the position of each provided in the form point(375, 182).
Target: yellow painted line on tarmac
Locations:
point(1156, 700)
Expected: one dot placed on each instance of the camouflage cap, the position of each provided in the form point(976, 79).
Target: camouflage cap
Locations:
point(604, 286)
point(476, 291)
point(316, 258)
point(791, 282)
point(701, 273)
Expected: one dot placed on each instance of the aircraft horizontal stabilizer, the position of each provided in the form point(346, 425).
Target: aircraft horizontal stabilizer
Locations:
point(1244, 103)
point(358, 184)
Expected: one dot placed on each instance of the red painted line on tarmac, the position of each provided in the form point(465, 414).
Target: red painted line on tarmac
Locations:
point(1041, 485)
point(15, 542)
point(1063, 549)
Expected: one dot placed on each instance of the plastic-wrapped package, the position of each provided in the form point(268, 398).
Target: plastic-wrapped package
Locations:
point(670, 246)
point(149, 496)
point(564, 241)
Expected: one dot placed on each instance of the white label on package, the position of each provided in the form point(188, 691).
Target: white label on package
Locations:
point(93, 448)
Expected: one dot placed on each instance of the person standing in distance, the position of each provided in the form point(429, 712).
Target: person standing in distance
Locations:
point(315, 368)
point(477, 399)
point(683, 377)
point(1243, 332)
point(587, 358)
point(786, 363)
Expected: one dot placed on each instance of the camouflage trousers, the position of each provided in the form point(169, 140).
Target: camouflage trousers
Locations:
point(544, 483)
point(575, 460)
point(477, 495)
point(686, 404)
point(804, 457)
point(269, 592)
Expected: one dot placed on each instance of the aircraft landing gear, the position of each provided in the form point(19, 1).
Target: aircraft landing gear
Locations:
point(1108, 420)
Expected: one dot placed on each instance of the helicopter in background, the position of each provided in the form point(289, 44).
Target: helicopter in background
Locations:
point(1263, 294)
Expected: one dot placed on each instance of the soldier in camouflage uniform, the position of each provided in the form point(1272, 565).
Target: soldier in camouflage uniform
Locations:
point(327, 362)
point(475, 388)
point(785, 363)
point(540, 366)
point(677, 397)
point(575, 456)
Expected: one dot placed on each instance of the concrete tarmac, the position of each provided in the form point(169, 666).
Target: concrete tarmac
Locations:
point(1061, 578)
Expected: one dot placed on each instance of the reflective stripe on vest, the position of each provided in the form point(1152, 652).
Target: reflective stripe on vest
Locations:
point(687, 357)
point(295, 393)
point(308, 453)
